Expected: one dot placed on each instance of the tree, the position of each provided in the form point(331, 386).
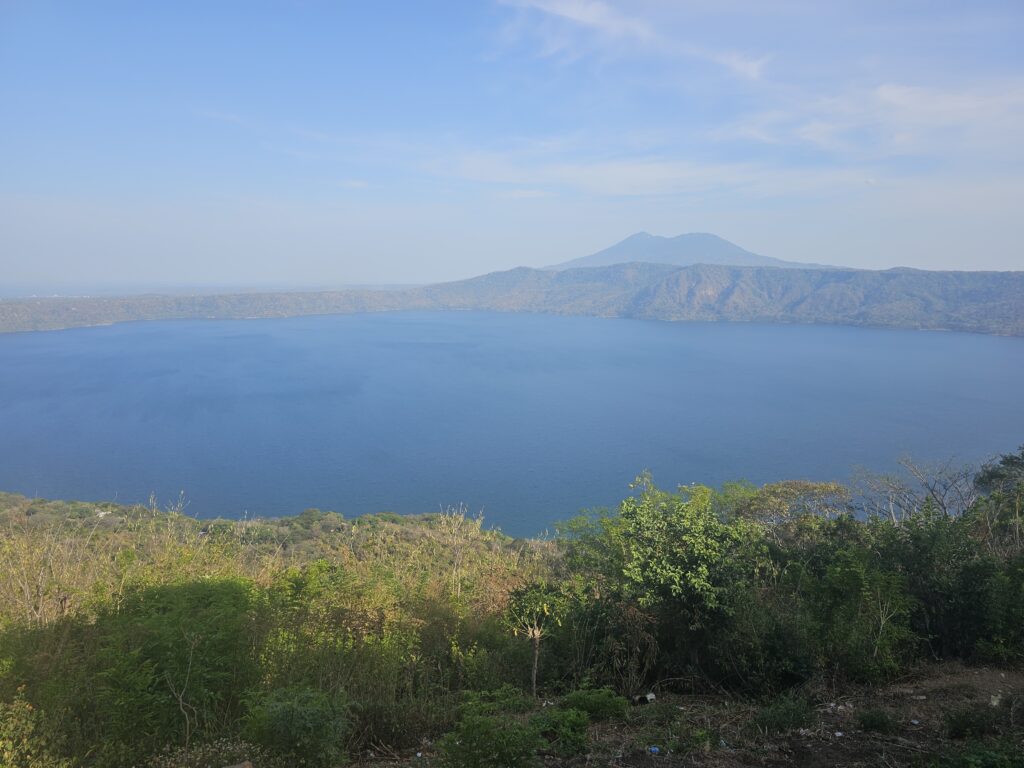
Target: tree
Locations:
point(675, 546)
point(532, 611)
point(1000, 512)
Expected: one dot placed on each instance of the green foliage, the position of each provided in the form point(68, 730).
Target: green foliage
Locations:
point(660, 713)
point(972, 722)
point(402, 723)
point(864, 613)
point(173, 661)
point(24, 742)
point(784, 714)
point(876, 720)
point(565, 730)
point(999, 754)
point(483, 741)
point(301, 723)
point(598, 703)
point(533, 611)
point(506, 700)
point(664, 726)
point(675, 547)
point(147, 635)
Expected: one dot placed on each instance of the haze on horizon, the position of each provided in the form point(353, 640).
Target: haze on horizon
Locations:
point(315, 143)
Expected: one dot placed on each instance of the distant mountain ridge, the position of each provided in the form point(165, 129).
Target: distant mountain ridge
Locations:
point(982, 302)
point(681, 251)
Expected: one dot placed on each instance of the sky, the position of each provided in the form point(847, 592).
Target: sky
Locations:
point(310, 143)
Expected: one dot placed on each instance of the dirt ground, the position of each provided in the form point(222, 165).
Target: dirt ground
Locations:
point(719, 732)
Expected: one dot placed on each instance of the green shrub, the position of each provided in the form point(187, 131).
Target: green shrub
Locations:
point(301, 722)
point(865, 612)
point(700, 740)
point(565, 730)
point(657, 714)
point(23, 742)
point(505, 700)
point(877, 720)
point(972, 722)
point(481, 741)
point(598, 703)
point(785, 714)
point(403, 723)
point(1001, 754)
point(163, 646)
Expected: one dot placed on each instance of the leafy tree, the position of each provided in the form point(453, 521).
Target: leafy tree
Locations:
point(999, 516)
point(675, 548)
point(532, 612)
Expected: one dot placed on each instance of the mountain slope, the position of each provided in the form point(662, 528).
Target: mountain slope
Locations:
point(681, 251)
point(989, 302)
point(983, 302)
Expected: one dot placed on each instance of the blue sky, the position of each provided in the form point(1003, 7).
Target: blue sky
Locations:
point(327, 143)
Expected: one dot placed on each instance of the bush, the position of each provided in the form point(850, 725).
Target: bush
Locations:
point(972, 722)
point(164, 645)
point(657, 714)
point(505, 700)
point(785, 714)
point(23, 743)
point(1004, 754)
point(481, 741)
point(565, 730)
point(301, 722)
point(598, 703)
point(877, 720)
point(403, 723)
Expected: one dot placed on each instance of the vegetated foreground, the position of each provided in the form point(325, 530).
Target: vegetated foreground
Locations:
point(796, 623)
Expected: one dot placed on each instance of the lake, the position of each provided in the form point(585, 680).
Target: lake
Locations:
point(527, 418)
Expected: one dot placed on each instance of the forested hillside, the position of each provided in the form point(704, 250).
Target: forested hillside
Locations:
point(982, 302)
point(791, 623)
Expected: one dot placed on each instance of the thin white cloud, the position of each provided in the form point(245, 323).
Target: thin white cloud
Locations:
point(650, 176)
point(593, 14)
point(748, 67)
point(607, 21)
point(951, 124)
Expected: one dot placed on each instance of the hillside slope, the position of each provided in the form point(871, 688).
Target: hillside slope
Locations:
point(982, 302)
point(987, 302)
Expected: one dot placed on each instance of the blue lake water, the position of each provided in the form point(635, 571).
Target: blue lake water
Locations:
point(529, 418)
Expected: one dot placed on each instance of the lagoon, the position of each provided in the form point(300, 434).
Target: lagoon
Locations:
point(525, 418)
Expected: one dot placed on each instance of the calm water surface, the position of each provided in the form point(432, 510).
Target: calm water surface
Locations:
point(528, 418)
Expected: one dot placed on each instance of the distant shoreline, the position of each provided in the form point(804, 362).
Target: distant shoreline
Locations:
point(972, 302)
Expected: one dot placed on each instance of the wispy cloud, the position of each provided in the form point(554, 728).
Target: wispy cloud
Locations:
point(593, 14)
point(749, 67)
point(648, 176)
point(607, 21)
point(965, 122)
